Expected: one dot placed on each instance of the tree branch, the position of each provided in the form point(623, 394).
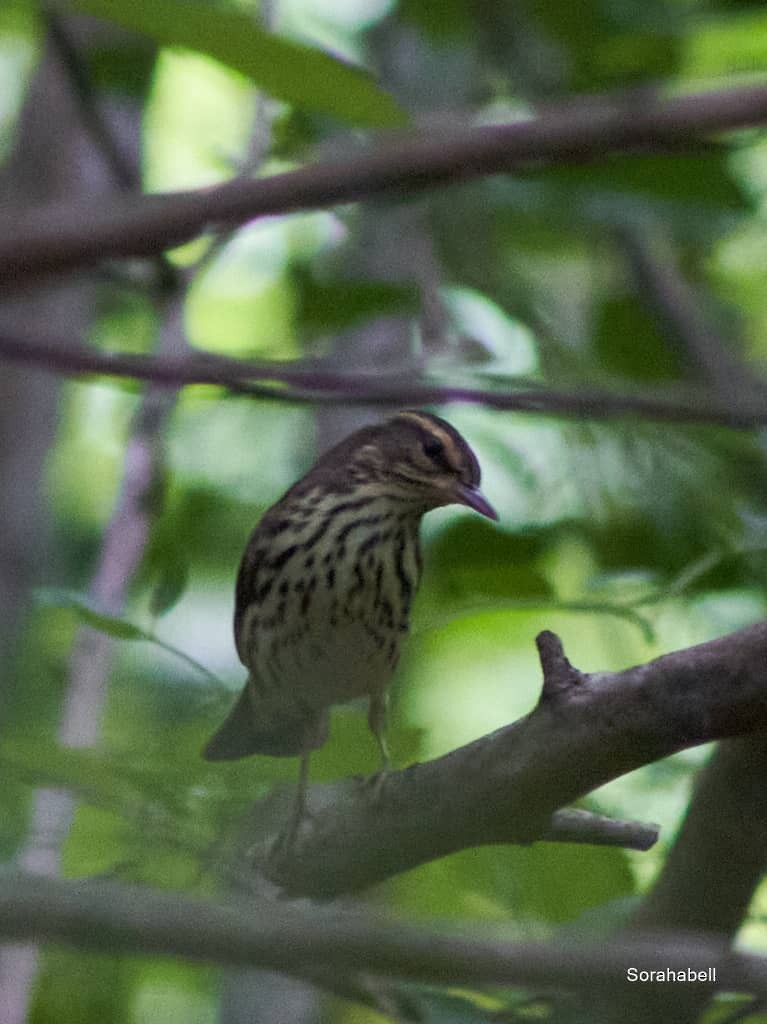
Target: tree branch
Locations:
point(506, 786)
point(681, 312)
point(577, 826)
point(308, 381)
point(94, 123)
point(68, 236)
point(713, 869)
point(720, 855)
point(104, 915)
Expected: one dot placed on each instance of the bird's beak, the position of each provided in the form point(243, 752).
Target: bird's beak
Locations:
point(474, 498)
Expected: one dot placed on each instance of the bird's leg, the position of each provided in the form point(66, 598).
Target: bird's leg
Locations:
point(314, 736)
point(299, 805)
point(377, 723)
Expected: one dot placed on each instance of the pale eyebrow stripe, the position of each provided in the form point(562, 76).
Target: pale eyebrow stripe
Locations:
point(453, 452)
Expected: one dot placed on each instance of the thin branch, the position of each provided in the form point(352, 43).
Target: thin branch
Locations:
point(307, 381)
point(681, 313)
point(99, 915)
point(505, 787)
point(94, 123)
point(97, 127)
point(577, 826)
point(68, 236)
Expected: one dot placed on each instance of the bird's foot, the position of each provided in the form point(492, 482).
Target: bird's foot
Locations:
point(300, 818)
point(376, 783)
point(286, 839)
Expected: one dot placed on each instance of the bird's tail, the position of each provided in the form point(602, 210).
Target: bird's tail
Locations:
point(250, 729)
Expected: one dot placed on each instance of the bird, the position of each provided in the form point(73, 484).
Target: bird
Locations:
point(326, 586)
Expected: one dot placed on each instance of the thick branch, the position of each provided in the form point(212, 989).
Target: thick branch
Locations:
point(505, 787)
point(102, 915)
point(64, 237)
point(307, 381)
point(713, 870)
point(720, 855)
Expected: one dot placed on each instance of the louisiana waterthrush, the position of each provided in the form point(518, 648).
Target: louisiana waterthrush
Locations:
point(327, 581)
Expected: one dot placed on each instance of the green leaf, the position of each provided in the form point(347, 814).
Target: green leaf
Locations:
point(95, 843)
point(71, 987)
point(99, 779)
point(454, 1007)
point(336, 306)
point(558, 882)
point(297, 74)
point(115, 627)
point(173, 578)
point(605, 45)
point(629, 344)
point(109, 624)
point(124, 69)
point(472, 559)
point(448, 20)
point(553, 882)
point(727, 44)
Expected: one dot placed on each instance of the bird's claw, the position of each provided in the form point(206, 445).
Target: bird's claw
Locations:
point(376, 783)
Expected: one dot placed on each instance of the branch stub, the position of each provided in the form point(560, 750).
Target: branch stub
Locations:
point(559, 675)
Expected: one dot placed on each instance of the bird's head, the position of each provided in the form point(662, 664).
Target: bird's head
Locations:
point(422, 459)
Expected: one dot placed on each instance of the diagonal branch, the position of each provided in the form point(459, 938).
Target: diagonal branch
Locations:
point(308, 381)
point(68, 236)
point(101, 132)
point(681, 312)
point(586, 730)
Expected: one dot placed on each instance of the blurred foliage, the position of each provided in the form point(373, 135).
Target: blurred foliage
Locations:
point(629, 539)
point(296, 74)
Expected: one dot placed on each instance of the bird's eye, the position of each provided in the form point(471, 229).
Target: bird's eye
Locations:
point(433, 448)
